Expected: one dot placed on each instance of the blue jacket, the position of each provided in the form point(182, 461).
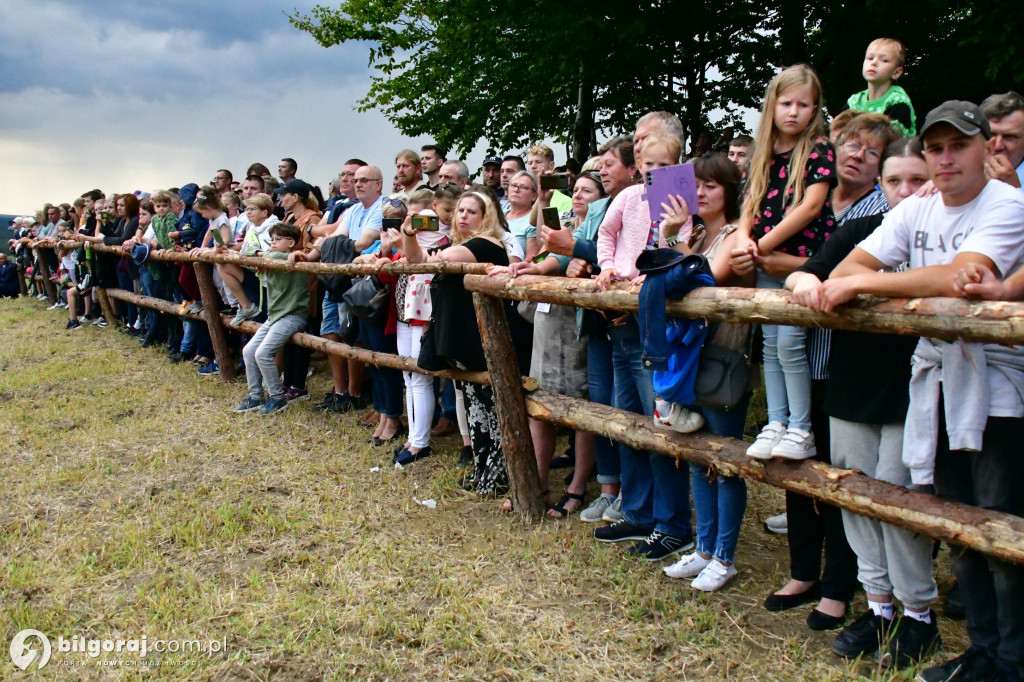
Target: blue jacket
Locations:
point(191, 225)
point(9, 279)
point(671, 347)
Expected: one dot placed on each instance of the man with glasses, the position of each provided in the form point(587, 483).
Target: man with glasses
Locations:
point(222, 181)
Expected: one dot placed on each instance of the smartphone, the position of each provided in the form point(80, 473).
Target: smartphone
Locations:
point(670, 180)
point(559, 181)
point(217, 236)
point(391, 223)
point(551, 217)
point(426, 223)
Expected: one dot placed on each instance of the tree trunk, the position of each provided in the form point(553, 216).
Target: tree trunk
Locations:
point(516, 441)
point(792, 40)
point(992, 533)
point(211, 313)
point(583, 126)
point(946, 318)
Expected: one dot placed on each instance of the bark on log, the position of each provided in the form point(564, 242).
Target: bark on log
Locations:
point(314, 268)
point(993, 533)
point(159, 304)
point(516, 442)
point(947, 318)
point(211, 306)
point(105, 308)
point(45, 274)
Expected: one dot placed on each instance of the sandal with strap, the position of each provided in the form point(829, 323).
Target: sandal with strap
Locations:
point(560, 511)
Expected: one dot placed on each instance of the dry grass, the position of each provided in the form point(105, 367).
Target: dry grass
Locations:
point(137, 503)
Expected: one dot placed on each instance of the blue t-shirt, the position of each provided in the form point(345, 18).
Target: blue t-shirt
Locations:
point(359, 218)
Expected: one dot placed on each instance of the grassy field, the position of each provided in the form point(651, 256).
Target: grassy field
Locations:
point(135, 503)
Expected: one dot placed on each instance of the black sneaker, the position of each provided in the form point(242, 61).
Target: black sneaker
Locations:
point(622, 530)
point(863, 636)
point(73, 324)
point(658, 546)
point(465, 458)
point(911, 641)
point(973, 664)
point(328, 400)
point(342, 405)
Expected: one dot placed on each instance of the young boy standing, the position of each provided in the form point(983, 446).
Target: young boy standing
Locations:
point(966, 414)
point(883, 64)
point(287, 313)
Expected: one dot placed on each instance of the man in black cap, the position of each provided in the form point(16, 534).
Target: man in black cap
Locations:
point(966, 413)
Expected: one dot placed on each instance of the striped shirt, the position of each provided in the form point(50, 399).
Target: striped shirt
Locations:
point(819, 341)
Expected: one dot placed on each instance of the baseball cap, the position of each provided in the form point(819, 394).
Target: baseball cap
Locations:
point(964, 116)
point(495, 160)
point(294, 186)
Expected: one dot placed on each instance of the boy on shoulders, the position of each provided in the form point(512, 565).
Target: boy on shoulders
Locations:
point(883, 65)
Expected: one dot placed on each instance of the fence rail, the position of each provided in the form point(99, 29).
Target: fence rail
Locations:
point(993, 533)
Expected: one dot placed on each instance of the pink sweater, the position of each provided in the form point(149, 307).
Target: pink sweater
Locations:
point(624, 232)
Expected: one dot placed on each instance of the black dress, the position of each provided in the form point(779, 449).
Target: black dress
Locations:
point(458, 341)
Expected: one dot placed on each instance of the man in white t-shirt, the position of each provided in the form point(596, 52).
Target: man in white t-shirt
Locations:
point(964, 426)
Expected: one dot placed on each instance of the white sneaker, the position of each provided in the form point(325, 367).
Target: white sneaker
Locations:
point(595, 512)
point(766, 441)
point(679, 419)
point(613, 513)
point(689, 566)
point(778, 524)
point(796, 444)
point(55, 306)
point(714, 576)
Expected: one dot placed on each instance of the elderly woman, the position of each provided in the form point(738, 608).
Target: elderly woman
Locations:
point(559, 361)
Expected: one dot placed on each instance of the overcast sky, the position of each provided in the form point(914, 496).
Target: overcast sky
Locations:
point(144, 95)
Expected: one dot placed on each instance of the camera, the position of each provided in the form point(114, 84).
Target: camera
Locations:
point(426, 223)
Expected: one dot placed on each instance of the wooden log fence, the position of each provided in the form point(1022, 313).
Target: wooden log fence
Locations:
point(993, 533)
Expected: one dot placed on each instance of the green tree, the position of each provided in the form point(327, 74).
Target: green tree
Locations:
point(464, 70)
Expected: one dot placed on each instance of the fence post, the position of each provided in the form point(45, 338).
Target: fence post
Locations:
point(44, 272)
point(213, 321)
point(514, 424)
point(22, 284)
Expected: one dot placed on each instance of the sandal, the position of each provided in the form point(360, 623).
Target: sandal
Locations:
point(560, 511)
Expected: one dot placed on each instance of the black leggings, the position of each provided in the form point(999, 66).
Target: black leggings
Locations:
point(816, 525)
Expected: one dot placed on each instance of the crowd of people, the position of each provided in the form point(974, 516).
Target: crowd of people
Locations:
point(865, 205)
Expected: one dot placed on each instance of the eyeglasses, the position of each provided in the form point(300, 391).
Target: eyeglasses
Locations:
point(359, 180)
point(852, 147)
point(521, 188)
point(395, 203)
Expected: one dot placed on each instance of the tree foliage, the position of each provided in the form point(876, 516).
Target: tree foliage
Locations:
point(462, 70)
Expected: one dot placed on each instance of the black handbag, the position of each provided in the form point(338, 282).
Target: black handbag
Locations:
point(367, 298)
point(723, 375)
point(428, 358)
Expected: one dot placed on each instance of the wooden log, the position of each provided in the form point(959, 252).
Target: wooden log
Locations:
point(163, 306)
point(946, 318)
point(516, 442)
point(106, 309)
point(313, 268)
point(993, 533)
point(211, 314)
point(44, 273)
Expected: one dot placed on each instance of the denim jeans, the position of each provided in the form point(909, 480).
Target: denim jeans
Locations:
point(124, 281)
point(600, 381)
point(387, 382)
point(154, 288)
point(260, 369)
point(655, 490)
point(720, 505)
point(787, 374)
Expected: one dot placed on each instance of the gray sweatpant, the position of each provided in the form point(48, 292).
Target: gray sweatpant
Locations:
point(890, 560)
point(260, 351)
